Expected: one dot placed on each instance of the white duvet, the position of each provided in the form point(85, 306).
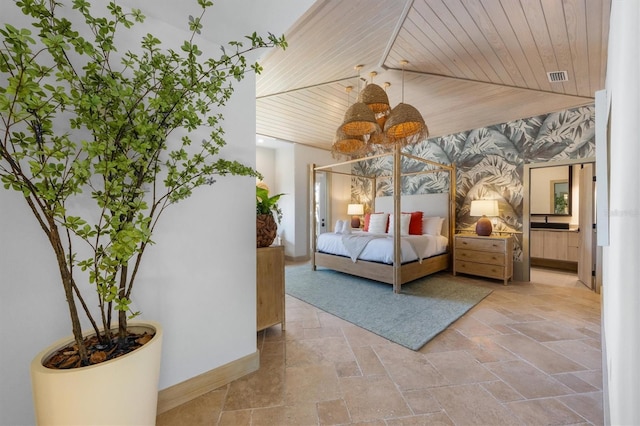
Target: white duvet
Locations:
point(379, 247)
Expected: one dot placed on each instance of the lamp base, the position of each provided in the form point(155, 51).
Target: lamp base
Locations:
point(484, 227)
point(355, 222)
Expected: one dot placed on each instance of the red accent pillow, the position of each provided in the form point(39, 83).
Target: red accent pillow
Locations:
point(367, 219)
point(415, 225)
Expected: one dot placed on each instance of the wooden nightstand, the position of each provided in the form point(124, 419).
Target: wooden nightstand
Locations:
point(490, 257)
point(270, 308)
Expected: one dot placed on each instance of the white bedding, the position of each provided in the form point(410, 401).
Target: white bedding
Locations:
point(379, 248)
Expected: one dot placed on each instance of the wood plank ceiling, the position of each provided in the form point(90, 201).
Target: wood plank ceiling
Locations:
point(472, 63)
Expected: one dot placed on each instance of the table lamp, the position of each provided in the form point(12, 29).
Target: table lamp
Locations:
point(355, 210)
point(484, 208)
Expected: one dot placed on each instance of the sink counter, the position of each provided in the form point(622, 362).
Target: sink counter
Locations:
point(571, 229)
point(553, 226)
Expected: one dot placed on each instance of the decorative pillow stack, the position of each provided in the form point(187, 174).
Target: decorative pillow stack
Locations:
point(410, 223)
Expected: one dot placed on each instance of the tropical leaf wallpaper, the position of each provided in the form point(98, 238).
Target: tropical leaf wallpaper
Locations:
point(489, 164)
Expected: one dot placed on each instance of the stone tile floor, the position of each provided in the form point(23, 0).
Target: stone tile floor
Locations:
point(528, 354)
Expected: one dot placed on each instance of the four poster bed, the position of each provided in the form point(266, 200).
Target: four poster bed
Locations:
point(391, 254)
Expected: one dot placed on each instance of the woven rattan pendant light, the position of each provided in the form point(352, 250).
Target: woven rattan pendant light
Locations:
point(348, 145)
point(359, 120)
point(380, 140)
point(375, 97)
point(405, 124)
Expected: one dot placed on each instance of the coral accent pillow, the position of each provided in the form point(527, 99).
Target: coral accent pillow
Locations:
point(367, 219)
point(378, 223)
point(415, 225)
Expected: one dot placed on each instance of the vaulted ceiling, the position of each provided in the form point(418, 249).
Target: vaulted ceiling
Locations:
point(472, 63)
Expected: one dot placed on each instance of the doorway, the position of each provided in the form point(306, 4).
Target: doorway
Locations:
point(556, 277)
point(570, 234)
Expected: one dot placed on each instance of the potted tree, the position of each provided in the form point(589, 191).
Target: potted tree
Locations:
point(98, 143)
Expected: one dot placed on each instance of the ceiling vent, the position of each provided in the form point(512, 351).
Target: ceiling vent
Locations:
point(557, 76)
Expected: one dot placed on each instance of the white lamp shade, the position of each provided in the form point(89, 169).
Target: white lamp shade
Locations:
point(355, 209)
point(484, 208)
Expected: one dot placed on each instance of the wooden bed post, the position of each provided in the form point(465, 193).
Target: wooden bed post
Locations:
point(312, 216)
point(397, 255)
point(452, 211)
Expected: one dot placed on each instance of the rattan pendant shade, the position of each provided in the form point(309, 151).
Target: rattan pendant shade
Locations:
point(375, 98)
point(405, 122)
point(359, 120)
point(351, 146)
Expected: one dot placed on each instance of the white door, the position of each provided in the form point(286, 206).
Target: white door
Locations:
point(586, 255)
point(321, 207)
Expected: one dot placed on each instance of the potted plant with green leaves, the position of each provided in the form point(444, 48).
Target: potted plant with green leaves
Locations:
point(266, 206)
point(99, 143)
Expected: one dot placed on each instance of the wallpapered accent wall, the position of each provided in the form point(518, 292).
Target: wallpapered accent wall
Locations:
point(489, 163)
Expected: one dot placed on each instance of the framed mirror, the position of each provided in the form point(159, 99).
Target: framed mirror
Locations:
point(551, 191)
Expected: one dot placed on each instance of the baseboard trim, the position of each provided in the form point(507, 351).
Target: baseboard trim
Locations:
point(192, 388)
point(296, 258)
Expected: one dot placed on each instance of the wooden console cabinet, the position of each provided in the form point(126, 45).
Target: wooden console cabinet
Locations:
point(270, 287)
point(557, 249)
point(555, 245)
point(490, 257)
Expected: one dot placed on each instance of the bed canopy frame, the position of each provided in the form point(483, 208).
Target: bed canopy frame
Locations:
point(398, 273)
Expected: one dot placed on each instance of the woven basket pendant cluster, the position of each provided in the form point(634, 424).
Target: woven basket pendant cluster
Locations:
point(370, 122)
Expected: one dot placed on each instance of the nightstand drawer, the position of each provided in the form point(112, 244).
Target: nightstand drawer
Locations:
point(485, 244)
point(485, 270)
point(493, 258)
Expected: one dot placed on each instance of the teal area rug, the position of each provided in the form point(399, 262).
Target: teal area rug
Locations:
point(426, 306)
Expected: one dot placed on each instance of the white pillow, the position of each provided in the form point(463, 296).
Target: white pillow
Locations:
point(378, 223)
point(432, 225)
point(405, 220)
point(339, 228)
point(346, 227)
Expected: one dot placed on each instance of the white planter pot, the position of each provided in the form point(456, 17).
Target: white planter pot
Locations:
point(122, 391)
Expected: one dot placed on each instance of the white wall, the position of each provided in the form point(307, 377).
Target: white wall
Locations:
point(285, 184)
point(621, 269)
point(340, 195)
point(266, 164)
point(304, 157)
point(291, 177)
point(198, 280)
